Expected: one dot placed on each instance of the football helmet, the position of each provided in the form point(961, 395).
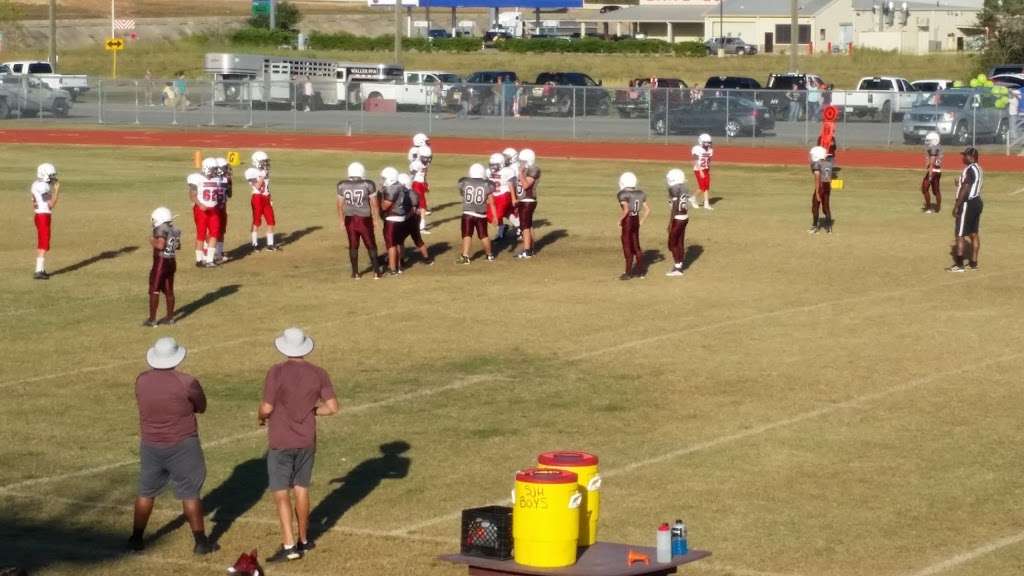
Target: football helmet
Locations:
point(496, 161)
point(818, 154)
point(161, 215)
point(627, 180)
point(425, 155)
point(405, 180)
point(704, 140)
point(356, 170)
point(511, 156)
point(675, 177)
point(932, 139)
point(389, 175)
point(46, 172)
point(209, 166)
point(260, 159)
point(420, 140)
point(527, 156)
point(477, 171)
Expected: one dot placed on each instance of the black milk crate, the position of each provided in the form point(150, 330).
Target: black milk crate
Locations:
point(487, 532)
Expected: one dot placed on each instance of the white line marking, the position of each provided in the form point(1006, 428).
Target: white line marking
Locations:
point(970, 555)
point(426, 392)
point(1017, 191)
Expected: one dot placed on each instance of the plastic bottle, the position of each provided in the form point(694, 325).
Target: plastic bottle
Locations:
point(679, 547)
point(664, 544)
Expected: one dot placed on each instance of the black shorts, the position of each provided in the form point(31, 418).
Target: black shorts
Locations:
point(969, 220)
point(181, 464)
point(290, 467)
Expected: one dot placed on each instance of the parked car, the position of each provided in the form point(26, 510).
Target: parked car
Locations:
point(610, 8)
point(637, 100)
point(495, 34)
point(877, 96)
point(30, 96)
point(418, 88)
point(1009, 80)
point(931, 85)
point(959, 116)
point(715, 115)
point(1006, 69)
point(565, 94)
point(73, 84)
point(780, 84)
point(481, 98)
point(731, 44)
point(435, 33)
point(731, 83)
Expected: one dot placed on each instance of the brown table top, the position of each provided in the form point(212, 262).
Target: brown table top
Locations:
point(601, 559)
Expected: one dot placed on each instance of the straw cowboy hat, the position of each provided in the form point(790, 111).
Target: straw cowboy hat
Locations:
point(165, 354)
point(294, 343)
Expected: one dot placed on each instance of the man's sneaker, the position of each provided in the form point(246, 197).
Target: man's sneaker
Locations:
point(812, 230)
point(393, 273)
point(136, 544)
point(149, 323)
point(523, 255)
point(284, 554)
point(828, 229)
point(955, 268)
point(305, 546)
point(674, 272)
point(425, 231)
point(708, 207)
point(428, 212)
point(200, 263)
point(209, 265)
point(255, 247)
point(490, 257)
point(166, 321)
point(205, 547)
point(355, 276)
point(626, 277)
point(273, 248)
point(463, 260)
point(41, 276)
point(428, 262)
point(972, 266)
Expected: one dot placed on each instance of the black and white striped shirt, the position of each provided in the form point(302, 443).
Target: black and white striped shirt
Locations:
point(973, 179)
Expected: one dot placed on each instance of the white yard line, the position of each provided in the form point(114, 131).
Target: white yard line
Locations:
point(970, 555)
point(397, 399)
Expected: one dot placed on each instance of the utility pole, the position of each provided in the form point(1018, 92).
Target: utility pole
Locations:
point(794, 34)
point(398, 32)
point(53, 34)
point(273, 14)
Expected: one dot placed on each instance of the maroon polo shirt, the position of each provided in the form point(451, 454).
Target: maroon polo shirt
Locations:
point(168, 403)
point(293, 388)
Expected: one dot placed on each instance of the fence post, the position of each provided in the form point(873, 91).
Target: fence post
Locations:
point(846, 96)
point(889, 144)
point(501, 103)
point(807, 117)
point(99, 103)
point(573, 112)
point(754, 117)
point(668, 125)
point(430, 109)
point(650, 115)
point(727, 92)
point(248, 92)
point(294, 89)
point(136, 102)
point(213, 102)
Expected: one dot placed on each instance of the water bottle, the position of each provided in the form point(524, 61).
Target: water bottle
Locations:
point(664, 544)
point(679, 547)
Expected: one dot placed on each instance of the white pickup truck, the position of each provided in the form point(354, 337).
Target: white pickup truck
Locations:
point(878, 97)
point(74, 85)
point(419, 89)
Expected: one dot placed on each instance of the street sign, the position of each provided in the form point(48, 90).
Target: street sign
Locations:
point(261, 7)
point(114, 44)
point(124, 24)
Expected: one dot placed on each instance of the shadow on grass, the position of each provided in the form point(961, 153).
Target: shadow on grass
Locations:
point(549, 238)
point(28, 545)
point(358, 484)
point(107, 255)
point(692, 254)
point(281, 240)
point(653, 256)
point(204, 301)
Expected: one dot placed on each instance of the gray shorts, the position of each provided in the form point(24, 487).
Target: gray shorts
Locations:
point(182, 464)
point(290, 467)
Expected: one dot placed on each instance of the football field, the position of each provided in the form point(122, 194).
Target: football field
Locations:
point(810, 405)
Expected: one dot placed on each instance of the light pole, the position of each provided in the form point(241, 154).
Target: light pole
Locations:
point(794, 34)
point(398, 31)
point(721, 28)
point(53, 34)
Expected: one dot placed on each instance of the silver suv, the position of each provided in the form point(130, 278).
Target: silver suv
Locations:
point(28, 96)
point(731, 44)
point(959, 115)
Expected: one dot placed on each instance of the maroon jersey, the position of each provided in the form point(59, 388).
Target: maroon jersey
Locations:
point(678, 196)
point(528, 193)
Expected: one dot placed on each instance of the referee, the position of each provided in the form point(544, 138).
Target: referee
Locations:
point(967, 211)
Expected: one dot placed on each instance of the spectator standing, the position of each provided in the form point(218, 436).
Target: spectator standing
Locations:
point(510, 88)
point(813, 100)
point(1013, 109)
point(169, 97)
point(294, 394)
point(517, 99)
point(181, 90)
point(169, 449)
point(793, 112)
point(149, 87)
point(307, 93)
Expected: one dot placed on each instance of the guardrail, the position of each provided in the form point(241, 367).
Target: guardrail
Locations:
point(514, 111)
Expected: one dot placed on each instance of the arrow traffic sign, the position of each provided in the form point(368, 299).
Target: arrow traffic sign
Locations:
point(114, 44)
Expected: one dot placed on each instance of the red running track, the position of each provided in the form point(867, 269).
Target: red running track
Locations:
point(478, 146)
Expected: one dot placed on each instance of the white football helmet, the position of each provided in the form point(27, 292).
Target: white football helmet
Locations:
point(420, 140)
point(496, 161)
point(356, 170)
point(527, 156)
point(511, 156)
point(627, 180)
point(389, 175)
point(260, 159)
point(818, 154)
point(209, 166)
point(932, 139)
point(675, 177)
point(46, 172)
point(704, 140)
point(405, 180)
point(160, 216)
point(425, 154)
point(477, 171)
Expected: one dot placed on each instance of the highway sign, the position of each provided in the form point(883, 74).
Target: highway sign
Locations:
point(114, 44)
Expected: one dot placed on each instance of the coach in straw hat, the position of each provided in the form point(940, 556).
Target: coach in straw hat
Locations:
point(294, 394)
point(169, 449)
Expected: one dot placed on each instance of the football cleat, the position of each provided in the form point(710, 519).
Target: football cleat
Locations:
point(355, 276)
point(149, 323)
point(626, 277)
point(41, 276)
point(956, 268)
point(674, 272)
point(463, 260)
point(273, 248)
point(166, 321)
point(812, 230)
point(284, 554)
point(490, 257)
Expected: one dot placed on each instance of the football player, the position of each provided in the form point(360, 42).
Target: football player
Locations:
point(418, 170)
point(702, 154)
point(932, 173)
point(204, 189)
point(166, 241)
point(477, 193)
point(412, 224)
point(635, 211)
point(821, 168)
point(502, 176)
point(258, 176)
point(394, 206)
point(358, 208)
point(678, 198)
point(418, 141)
point(45, 192)
point(527, 183)
point(224, 173)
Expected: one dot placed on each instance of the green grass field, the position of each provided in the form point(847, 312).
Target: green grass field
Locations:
point(810, 405)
